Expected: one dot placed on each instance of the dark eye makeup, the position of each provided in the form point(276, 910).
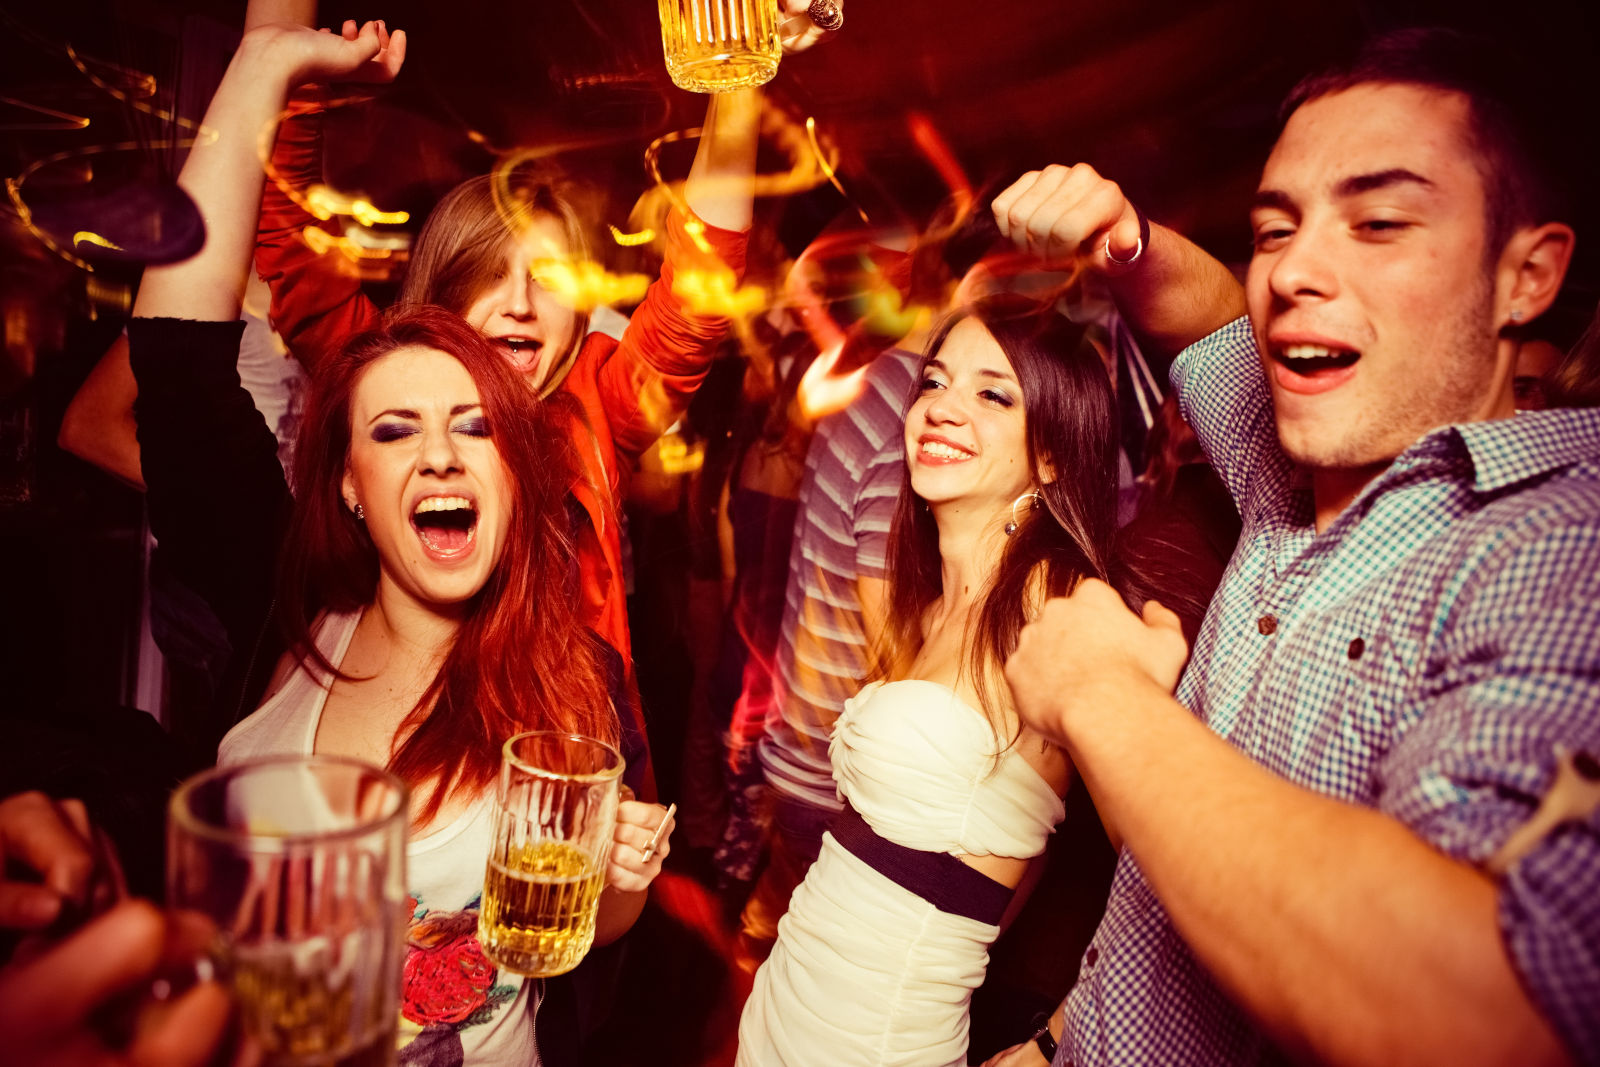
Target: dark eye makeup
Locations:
point(391, 431)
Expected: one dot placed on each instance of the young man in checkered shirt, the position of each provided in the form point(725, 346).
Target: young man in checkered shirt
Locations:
point(1327, 851)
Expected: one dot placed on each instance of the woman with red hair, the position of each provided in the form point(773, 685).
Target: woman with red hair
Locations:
point(424, 590)
point(495, 249)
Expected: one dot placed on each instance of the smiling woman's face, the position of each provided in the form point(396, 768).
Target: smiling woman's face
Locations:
point(966, 433)
point(427, 475)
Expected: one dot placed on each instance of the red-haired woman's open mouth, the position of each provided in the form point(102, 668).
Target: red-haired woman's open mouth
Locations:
point(446, 524)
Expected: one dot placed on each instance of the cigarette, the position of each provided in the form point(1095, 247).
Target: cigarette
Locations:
point(655, 838)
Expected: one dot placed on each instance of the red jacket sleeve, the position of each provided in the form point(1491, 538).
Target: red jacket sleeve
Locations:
point(317, 300)
point(647, 381)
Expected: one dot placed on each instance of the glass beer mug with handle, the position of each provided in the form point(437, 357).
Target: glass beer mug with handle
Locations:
point(555, 816)
point(300, 862)
point(713, 46)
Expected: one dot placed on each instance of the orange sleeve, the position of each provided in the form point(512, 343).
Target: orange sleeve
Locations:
point(317, 300)
point(664, 355)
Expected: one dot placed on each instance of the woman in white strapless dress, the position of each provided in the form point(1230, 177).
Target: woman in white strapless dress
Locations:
point(1010, 497)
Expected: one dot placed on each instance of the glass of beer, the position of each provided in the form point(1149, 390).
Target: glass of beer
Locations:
point(713, 46)
point(557, 811)
point(301, 864)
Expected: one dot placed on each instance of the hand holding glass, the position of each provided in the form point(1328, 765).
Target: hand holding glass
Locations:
point(555, 816)
point(300, 862)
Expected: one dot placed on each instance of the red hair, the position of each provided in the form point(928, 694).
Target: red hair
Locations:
point(520, 659)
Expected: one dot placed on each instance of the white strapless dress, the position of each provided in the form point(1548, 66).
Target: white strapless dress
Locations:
point(864, 971)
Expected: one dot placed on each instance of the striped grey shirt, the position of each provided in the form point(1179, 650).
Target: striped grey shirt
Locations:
point(854, 471)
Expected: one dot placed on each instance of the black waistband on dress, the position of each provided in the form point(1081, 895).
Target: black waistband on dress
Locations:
point(937, 877)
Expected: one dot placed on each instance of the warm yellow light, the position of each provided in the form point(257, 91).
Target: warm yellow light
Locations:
point(821, 392)
point(325, 203)
point(631, 240)
point(713, 292)
point(585, 285)
point(89, 237)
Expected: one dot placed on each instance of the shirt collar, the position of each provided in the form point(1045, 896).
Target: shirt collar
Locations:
point(1501, 452)
point(1506, 451)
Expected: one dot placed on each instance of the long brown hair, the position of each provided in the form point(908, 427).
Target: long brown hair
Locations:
point(1070, 429)
point(520, 659)
point(467, 236)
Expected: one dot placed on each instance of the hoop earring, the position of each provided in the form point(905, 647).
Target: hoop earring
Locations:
point(1031, 494)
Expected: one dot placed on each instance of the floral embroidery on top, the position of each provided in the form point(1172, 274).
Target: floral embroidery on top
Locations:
point(447, 984)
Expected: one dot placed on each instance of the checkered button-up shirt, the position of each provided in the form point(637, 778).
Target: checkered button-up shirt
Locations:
point(1423, 656)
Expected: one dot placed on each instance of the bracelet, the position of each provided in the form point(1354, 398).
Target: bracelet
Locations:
point(1046, 1043)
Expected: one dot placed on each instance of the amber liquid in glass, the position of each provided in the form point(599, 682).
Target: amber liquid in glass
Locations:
point(713, 46)
point(303, 1016)
point(539, 904)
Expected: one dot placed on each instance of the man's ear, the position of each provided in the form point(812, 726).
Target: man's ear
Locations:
point(1532, 267)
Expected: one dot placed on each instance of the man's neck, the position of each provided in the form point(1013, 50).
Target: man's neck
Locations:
point(1334, 488)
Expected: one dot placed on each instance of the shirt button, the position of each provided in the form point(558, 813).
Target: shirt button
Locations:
point(1357, 647)
point(1091, 957)
point(1267, 624)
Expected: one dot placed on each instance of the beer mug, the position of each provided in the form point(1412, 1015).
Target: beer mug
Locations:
point(301, 864)
point(555, 816)
point(713, 46)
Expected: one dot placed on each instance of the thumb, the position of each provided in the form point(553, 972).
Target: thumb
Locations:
point(1158, 616)
point(24, 906)
point(57, 990)
point(1124, 241)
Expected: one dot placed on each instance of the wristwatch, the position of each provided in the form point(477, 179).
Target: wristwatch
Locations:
point(1046, 1043)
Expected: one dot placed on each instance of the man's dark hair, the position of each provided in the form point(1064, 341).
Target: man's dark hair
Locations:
point(1510, 117)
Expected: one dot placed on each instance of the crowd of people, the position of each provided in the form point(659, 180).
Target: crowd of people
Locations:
point(1314, 665)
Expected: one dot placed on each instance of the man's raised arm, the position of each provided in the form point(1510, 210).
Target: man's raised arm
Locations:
point(1168, 289)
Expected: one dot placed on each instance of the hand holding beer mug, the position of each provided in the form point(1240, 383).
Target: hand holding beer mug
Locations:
point(300, 862)
point(556, 813)
point(715, 46)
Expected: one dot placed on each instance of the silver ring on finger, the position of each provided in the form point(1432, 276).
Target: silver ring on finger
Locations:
point(826, 14)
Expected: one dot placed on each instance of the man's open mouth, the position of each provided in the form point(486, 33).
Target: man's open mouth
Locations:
point(1314, 360)
point(446, 525)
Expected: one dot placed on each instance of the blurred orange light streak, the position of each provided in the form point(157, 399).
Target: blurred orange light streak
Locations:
point(821, 392)
point(68, 121)
point(92, 238)
point(678, 456)
point(629, 240)
point(320, 241)
point(584, 285)
point(938, 152)
point(712, 292)
point(143, 86)
point(325, 203)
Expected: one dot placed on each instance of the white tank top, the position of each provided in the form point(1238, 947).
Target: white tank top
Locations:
point(452, 998)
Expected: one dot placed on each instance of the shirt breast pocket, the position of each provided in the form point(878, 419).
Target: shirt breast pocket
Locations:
point(1363, 669)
